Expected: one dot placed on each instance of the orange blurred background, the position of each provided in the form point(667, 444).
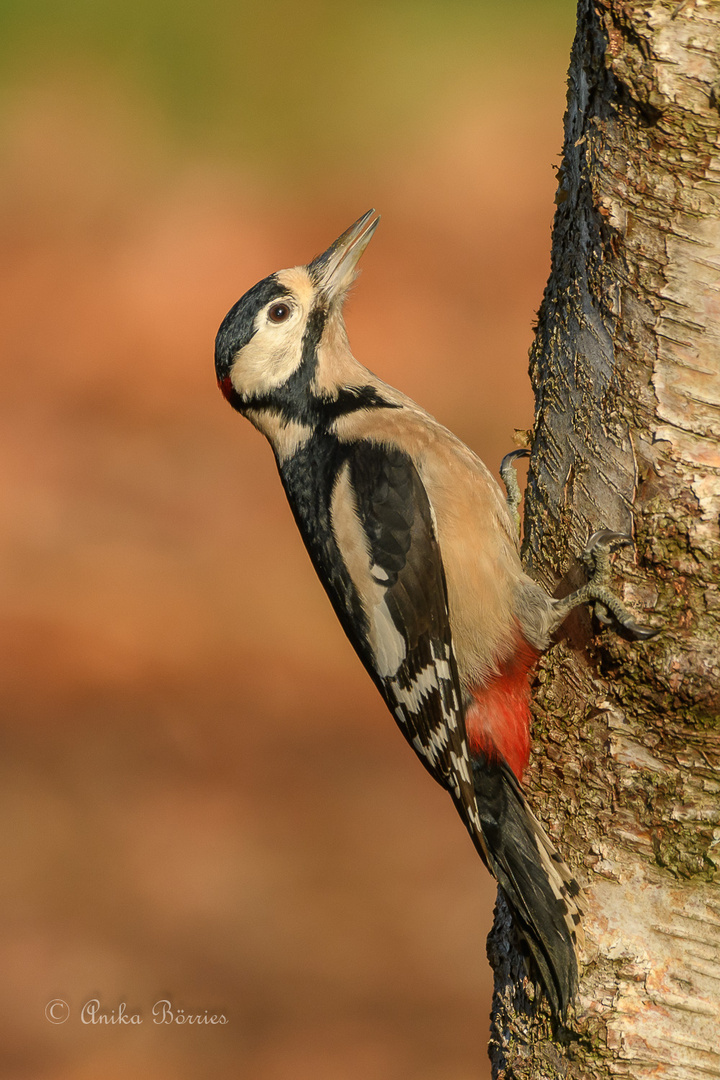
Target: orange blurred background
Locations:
point(203, 798)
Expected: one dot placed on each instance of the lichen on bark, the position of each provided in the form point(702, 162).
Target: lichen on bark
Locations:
point(626, 371)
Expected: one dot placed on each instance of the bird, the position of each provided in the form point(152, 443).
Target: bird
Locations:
point(418, 551)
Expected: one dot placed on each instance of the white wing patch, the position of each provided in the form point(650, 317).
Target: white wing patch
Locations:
point(385, 640)
point(421, 686)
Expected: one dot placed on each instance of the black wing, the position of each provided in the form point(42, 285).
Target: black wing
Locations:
point(368, 525)
point(408, 643)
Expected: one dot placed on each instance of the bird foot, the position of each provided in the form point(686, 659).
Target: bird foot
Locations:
point(605, 603)
point(509, 478)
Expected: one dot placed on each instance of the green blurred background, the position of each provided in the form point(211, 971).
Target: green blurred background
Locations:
point(202, 797)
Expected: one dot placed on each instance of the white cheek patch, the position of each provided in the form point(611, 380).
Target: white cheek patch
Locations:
point(274, 352)
point(269, 358)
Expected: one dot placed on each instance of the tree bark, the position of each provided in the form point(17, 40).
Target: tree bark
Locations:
point(626, 371)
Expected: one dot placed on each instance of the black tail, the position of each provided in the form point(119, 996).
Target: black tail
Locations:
point(544, 896)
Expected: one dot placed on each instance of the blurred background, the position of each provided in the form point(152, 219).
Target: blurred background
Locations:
point(202, 797)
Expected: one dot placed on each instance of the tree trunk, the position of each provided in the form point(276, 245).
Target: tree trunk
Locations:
point(626, 370)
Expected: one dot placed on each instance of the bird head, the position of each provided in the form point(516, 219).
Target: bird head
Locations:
point(272, 345)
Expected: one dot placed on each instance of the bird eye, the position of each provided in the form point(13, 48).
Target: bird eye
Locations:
point(278, 313)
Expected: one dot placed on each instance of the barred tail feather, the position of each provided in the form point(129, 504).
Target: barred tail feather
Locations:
point(545, 898)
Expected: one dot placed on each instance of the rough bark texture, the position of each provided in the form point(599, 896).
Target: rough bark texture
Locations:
point(626, 369)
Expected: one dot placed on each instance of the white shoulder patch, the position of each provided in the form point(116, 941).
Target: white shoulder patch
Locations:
point(385, 640)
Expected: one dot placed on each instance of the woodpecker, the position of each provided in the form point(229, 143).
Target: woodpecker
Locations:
point(415, 545)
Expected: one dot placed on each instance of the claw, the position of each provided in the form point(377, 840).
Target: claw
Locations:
point(509, 479)
point(607, 536)
point(602, 541)
point(641, 633)
point(512, 457)
point(596, 556)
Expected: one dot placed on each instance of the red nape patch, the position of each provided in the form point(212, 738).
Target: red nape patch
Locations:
point(230, 393)
point(227, 387)
point(498, 721)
